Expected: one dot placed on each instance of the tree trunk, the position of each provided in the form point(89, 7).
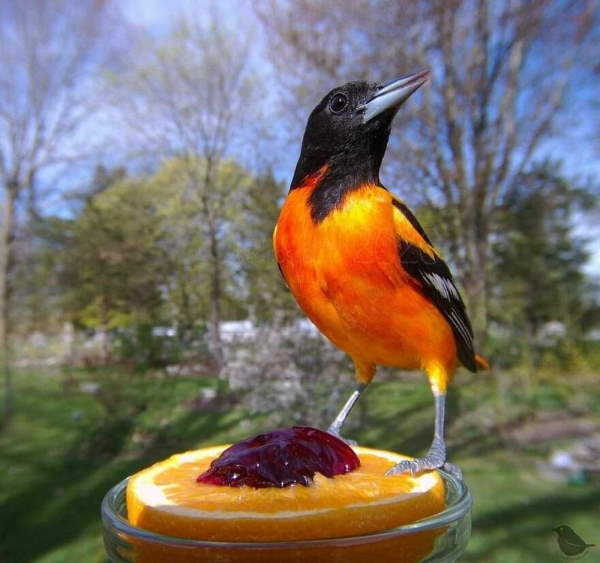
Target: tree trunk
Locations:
point(104, 340)
point(476, 283)
point(215, 294)
point(6, 259)
point(33, 308)
point(215, 298)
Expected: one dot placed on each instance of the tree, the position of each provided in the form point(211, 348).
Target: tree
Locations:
point(267, 294)
point(133, 256)
point(49, 53)
point(185, 97)
point(538, 262)
point(112, 262)
point(188, 292)
point(500, 74)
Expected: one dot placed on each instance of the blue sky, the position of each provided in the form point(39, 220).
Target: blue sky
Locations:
point(157, 15)
point(580, 158)
point(154, 14)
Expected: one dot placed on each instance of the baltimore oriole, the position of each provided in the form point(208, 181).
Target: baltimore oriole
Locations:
point(357, 260)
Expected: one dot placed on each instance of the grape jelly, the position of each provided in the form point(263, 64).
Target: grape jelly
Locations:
point(281, 458)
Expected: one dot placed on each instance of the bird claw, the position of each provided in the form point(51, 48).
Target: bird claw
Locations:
point(454, 470)
point(409, 466)
point(415, 466)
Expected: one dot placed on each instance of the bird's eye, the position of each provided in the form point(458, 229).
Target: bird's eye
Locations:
point(338, 103)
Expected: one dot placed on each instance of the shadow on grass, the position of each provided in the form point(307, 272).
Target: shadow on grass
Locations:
point(400, 417)
point(64, 497)
point(527, 527)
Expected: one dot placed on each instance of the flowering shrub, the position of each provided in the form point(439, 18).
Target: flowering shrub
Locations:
point(290, 372)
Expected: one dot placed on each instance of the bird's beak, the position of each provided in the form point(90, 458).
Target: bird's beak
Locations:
point(393, 94)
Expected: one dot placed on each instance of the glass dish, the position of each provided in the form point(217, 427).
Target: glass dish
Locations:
point(440, 538)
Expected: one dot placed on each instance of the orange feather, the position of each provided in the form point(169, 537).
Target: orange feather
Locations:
point(347, 276)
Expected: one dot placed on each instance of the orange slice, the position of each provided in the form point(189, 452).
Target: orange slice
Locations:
point(167, 499)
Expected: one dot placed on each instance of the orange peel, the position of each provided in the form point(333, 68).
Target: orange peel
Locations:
point(166, 498)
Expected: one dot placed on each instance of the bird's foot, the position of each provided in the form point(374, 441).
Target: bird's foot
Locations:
point(435, 458)
point(426, 463)
point(454, 470)
point(335, 432)
point(414, 466)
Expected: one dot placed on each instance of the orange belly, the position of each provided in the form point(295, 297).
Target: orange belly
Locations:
point(347, 277)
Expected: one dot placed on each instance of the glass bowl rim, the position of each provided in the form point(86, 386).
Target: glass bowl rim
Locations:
point(111, 519)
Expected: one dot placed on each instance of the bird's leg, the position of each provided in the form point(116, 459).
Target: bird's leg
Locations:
point(336, 426)
point(436, 456)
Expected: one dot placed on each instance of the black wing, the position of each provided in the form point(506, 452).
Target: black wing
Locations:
point(437, 285)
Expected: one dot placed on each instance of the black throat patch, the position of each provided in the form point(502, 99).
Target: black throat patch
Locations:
point(343, 176)
point(329, 195)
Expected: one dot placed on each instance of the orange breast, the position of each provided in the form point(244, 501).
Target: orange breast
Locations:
point(346, 275)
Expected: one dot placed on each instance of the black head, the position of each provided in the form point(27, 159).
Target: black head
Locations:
point(350, 127)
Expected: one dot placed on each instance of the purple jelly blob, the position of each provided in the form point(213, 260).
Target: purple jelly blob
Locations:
point(281, 458)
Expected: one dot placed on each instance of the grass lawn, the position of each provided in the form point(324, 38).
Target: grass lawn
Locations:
point(66, 446)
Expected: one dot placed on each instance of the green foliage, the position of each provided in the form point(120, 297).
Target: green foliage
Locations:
point(185, 238)
point(137, 255)
point(112, 262)
point(539, 261)
point(539, 276)
point(144, 346)
point(267, 294)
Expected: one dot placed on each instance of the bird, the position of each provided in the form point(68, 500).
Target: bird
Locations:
point(359, 263)
point(569, 542)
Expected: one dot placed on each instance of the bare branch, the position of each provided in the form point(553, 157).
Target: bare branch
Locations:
point(494, 97)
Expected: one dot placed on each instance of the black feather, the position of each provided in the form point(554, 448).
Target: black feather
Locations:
point(438, 286)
